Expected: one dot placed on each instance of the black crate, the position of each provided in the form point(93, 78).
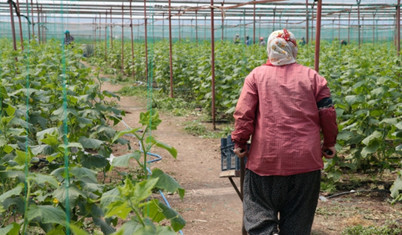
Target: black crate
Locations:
point(229, 160)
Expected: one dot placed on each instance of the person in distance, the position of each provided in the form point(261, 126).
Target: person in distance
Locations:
point(283, 107)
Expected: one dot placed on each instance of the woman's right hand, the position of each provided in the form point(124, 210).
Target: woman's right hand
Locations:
point(329, 152)
point(240, 152)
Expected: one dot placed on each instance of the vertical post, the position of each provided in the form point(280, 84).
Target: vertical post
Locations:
point(43, 24)
point(96, 26)
point(163, 26)
point(100, 30)
point(223, 22)
point(273, 22)
point(19, 21)
point(29, 28)
point(205, 27)
point(179, 26)
point(373, 28)
point(398, 26)
point(146, 39)
point(32, 19)
point(259, 27)
point(333, 29)
point(39, 32)
point(358, 20)
point(111, 29)
point(170, 50)
point(339, 27)
point(254, 23)
point(132, 39)
point(196, 26)
point(12, 26)
point(317, 37)
point(106, 36)
point(312, 21)
point(350, 11)
point(122, 37)
point(213, 63)
point(307, 13)
point(362, 26)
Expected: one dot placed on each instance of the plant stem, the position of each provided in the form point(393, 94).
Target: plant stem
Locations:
point(26, 207)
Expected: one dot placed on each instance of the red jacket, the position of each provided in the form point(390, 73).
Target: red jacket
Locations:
point(278, 108)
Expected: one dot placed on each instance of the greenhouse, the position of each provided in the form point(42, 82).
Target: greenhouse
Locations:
point(132, 117)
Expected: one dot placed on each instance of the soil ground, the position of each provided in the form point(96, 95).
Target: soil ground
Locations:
point(211, 205)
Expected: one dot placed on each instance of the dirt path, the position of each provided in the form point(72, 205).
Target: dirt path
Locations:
point(211, 205)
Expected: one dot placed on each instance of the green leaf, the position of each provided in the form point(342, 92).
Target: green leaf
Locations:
point(73, 194)
point(84, 174)
point(166, 182)
point(396, 188)
point(47, 214)
point(42, 179)
point(120, 209)
point(171, 150)
point(10, 110)
point(88, 143)
point(50, 131)
point(150, 119)
point(374, 136)
point(143, 189)
point(94, 161)
point(130, 131)
point(128, 228)
point(124, 161)
point(12, 192)
point(109, 197)
point(159, 211)
point(372, 148)
point(11, 229)
point(22, 157)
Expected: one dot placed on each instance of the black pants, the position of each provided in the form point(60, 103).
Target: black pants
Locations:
point(293, 197)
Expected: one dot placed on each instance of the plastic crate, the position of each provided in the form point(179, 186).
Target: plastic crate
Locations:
point(229, 160)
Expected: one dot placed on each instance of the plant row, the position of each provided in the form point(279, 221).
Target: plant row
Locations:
point(56, 137)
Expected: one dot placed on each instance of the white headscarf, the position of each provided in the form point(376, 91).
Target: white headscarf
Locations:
point(282, 47)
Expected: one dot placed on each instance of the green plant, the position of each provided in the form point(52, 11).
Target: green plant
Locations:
point(390, 229)
point(131, 202)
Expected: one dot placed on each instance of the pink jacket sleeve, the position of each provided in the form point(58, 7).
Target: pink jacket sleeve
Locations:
point(327, 114)
point(245, 113)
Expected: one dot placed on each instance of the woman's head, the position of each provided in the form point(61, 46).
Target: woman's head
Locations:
point(282, 47)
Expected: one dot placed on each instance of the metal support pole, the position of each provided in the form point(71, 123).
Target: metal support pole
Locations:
point(170, 50)
point(358, 20)
point(13, 27)
point(39, 31)
point(100, 30)
point(205, 27)
point(312, 21)
point(213, 63)
point(122, 38)
point(19, 22)
point(307, 14)
point(132, 39)
point(111, 29)
point(339, 28)
point(259, 27)
point(29, 28)
point(179, 27)
point(398, 26)
point(374, 28)
point(43, 24)
point(223, 22)
point(273, 22)
point(146, 39)
point(106, 36)
point(254, 23)
point(362, 26)
point(349, 26)
point(317, 37)
point(196, 26)
point(32, 19)
point(96, 26)
point(163, 26)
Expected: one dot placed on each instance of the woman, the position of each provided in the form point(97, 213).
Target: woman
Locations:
point(283, 106)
